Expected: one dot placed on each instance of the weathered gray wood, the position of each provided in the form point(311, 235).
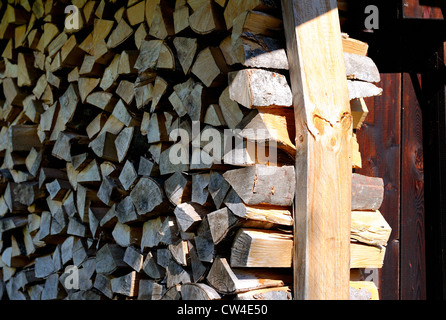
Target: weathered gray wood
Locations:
point(178, 188)
point(152, 268)
point(226, 280)
point(273, 214)
point(189, 215)
point(259, 88)
point(109, 258)
point(198, 291)
point(150, 290)
point(263, 184)
point(361, 67)
point(362, 89)
point(126, 285)
point(133, 258)
point(148, 197)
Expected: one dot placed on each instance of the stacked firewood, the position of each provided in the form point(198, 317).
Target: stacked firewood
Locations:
point(147, 150)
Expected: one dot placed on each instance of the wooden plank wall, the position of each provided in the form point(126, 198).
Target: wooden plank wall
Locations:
point(391, 145)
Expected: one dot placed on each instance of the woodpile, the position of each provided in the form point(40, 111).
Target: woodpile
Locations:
point(148, 153)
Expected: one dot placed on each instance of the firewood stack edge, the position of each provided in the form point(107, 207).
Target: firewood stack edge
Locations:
point(148, 152)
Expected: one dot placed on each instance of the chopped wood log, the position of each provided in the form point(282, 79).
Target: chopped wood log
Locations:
point(148, 197)
point(367, 192)
point(281, 293)
point(363, 290)
point(359, 112)
point(365, 256)
point(150, 290)
point(256, 22)
point(257, 248)
point(199, 269)
point(126, 285)
point(109, 258)
point(233, 281)
point(356, 154)
point(126, 235)
point(125, 211)
point(270, 126)
point(207, 18)
point(370, 227)
point(189, 215)
point(176, 274)
point(210, 67)
point(128, 175)
point(173, 293)
point(273, 214)
point(151, 268)
point(180, 252)
point(247, 87)
point(222, 222)
point(23, 138)
point(186, 49)
point(178, 188)
point(260, 52)
point(354, 46)
point(236, 7)
point(198, 291)
point(121, 33)
point(254, 185)
point(162, 21)
point(359, 67)
point(362, 89)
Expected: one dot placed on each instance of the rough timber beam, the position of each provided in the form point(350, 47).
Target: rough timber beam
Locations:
point(323, 140)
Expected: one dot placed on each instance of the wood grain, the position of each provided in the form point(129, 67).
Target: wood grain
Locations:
point(380, 146)
point(323, 143)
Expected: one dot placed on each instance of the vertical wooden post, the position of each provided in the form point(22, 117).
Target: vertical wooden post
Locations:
point(323, 157)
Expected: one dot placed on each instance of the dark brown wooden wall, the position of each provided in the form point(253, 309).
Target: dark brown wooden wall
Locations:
point(391, 145)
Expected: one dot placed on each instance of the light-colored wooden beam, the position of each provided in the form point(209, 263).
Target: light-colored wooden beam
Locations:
point(323, 145)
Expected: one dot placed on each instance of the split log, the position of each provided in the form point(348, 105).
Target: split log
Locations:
point(281, 293)
point(226, 280)
point(236, 7)
point(273, 127)
point(367, 192)
point(259, 88)
point(178, 188)
point(198, 291)
point(362, 89)
point(255, 186)
point(359, 67)
point(255, 51)
point(257, 248)
point(149, 289)
point(186, 49)
point(223, 222)
point(148, 197)
point(210, 67)
point(189, 215)
point(207, 18)
point(109, 258)
point(258, 23)
point(126, 285)
point(370, 227)
point(126, 236)
point(365, 256)
point(359, 112)
point(273, 214)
